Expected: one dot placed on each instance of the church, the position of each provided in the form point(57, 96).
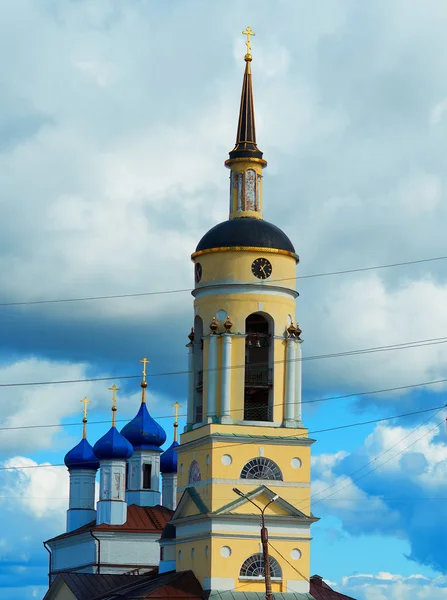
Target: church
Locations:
point(202, 518)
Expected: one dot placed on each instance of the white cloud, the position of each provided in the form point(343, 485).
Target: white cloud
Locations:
point(43, 405)
point(389, 586)
point(38, 489)
point(394, 485)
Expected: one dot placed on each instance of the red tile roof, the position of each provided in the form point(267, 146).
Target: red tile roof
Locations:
point(139, 519)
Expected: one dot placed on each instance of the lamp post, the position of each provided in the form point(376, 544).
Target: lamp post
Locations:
point(265, 542)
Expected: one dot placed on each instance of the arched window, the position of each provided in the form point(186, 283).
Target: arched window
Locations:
point(261, 468)
point(254, 567)
point(258, 386)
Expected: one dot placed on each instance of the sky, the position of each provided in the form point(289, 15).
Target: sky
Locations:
point(115, 119)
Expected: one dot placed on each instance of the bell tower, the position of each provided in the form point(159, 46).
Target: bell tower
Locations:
point(244, 426)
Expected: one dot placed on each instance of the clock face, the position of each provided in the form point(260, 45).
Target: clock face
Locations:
point(198, 272)
point(261, 268)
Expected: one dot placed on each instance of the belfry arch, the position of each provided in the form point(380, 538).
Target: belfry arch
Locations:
point(258, 382)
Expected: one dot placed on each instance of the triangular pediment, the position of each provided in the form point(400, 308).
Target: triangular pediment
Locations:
point(262, 495)
point(190, 504)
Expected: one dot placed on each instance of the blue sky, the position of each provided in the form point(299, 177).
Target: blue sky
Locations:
point(115, 120)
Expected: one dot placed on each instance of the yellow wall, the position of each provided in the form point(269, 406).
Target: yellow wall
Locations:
point(216, 492)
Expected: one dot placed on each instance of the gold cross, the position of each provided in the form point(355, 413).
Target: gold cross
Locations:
point(176, 406)
point(84, 420)
point(248, 32)
point(114, 389)
point(85, 401)
point(145, 361)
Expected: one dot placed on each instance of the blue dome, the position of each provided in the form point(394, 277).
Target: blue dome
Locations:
point(112, 445)
point(168, 460)
point(82, 457)
point(143, 432)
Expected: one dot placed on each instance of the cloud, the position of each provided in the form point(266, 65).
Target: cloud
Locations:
point(34, 406)
point(388, 586)
point(394, 485)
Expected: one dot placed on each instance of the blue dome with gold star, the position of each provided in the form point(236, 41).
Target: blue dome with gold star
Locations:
point(168, 460)
point(82, 457)
point(113, 445)
point(143, 432)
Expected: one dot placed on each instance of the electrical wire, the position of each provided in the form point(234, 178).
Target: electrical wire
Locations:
point(288, 561)
point(376, 458)
point(361, 351)
point(19, 427)
point(183, 290)
point(436, 408)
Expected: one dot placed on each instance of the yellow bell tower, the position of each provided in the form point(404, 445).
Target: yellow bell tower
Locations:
point(244, 426)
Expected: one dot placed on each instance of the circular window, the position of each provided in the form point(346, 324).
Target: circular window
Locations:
point(227, 460)
point(225, 551)
point(295, 554)
point(296, 462)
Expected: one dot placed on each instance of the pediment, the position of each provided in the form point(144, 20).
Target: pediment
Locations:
point(262, 495)
point(190, 504)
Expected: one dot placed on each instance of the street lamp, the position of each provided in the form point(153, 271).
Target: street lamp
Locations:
point(265, 542)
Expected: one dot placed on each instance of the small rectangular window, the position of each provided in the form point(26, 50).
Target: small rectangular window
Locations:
point(147, 473)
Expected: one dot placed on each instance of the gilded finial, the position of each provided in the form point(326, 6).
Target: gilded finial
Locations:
point(114, 389)
point(84, 420)
point(143, 383)
point(214, 325)
point(248, 32)
point(228, 324)
point(291, 330)
point(176, 406)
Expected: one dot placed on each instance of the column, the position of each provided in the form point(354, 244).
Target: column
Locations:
point(212, 378)
point(226, 379)
point(298, 391)
point(190, 408)
point(289, 412)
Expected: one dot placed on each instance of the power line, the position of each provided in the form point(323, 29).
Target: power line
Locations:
point(361, 351)
point(287, 561)
point(324, 399)
point(356, 424)
point(183, 290)
point(377, 457)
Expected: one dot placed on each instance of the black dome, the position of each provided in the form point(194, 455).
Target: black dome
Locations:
point(245, 231)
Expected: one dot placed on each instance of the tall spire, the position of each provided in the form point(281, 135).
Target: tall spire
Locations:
point(246, 146)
